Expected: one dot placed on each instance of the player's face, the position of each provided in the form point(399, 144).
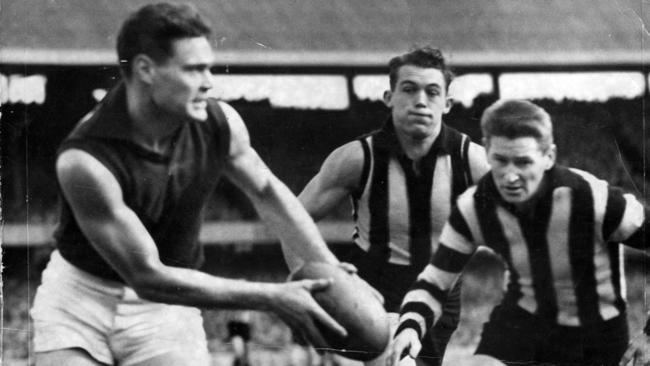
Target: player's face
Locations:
point(418, 101)
point(518, 166)
point(181, 83)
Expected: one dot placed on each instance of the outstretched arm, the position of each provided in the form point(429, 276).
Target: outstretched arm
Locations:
point(276, 205)
point(626, 220)
point(119, 236)
point(422, 305)
point(337, 179)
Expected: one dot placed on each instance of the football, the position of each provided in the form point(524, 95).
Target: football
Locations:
point(350, 301)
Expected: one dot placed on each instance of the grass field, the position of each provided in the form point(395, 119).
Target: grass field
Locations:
point(271, 343)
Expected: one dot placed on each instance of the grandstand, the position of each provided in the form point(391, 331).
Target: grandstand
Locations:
point(58, 56)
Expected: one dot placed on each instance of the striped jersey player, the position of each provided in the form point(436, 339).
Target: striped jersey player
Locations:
point(558, 230)
point(402, 180)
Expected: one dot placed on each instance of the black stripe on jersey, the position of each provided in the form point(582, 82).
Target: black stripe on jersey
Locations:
point(534, 230)
point(581, 252)
point(378, 207)
point(615, 266)
point(419, 308)
point(461, 179)
point(616, 205)
point(356, 195)
point(418, 188)
point(365, 170)
point(459, 224)
point(467, 171)
point(409, 324)
point(614, 211)
point(493, 234)
point(439, 294)
point(449, 260)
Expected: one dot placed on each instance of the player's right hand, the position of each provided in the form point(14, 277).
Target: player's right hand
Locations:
point(406, 342)
point(294, 304)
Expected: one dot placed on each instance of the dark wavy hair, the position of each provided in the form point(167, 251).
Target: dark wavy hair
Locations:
point(152, 29)
point(426, 57)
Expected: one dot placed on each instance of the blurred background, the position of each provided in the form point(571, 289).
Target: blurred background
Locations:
point(307, 76)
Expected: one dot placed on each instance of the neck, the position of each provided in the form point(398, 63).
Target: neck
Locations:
point(152, 127)
point(414, 147)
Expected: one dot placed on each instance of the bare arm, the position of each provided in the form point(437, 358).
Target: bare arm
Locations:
point(117, 233)
point(121, 239)
point(276, 205)
point(338, 178)
point(631, 227)
point(423, 303)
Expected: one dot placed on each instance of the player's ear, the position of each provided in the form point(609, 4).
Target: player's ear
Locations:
point(486, 142)
point(388, 95)
point(551, 154)
point(143, 68)
point(449, 102)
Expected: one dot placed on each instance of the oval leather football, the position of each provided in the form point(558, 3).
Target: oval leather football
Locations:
point(352, 303)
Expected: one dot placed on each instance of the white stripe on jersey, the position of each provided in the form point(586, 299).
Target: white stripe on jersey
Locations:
point(558, 251)
point(398, 208)
point(455, 240)
point(520, 257)
point(632, 219)
point(465, 204)
point(423, 296)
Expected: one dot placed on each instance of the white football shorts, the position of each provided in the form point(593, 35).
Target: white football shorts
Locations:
point(74, 309)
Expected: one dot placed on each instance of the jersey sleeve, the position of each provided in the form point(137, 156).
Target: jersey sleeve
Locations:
point(478, 161)
point(625, 220)
point(423, 303)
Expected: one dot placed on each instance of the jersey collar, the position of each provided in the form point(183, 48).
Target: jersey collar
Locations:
point(109, 119)
point(387, 138)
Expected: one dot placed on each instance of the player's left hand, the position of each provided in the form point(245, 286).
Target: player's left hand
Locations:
point(294, 304)
point(638, 351)
point(405, 343)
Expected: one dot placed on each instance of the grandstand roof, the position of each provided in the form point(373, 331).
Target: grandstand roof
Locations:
point(347, 32)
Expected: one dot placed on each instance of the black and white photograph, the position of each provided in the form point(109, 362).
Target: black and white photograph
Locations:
point(324, 183)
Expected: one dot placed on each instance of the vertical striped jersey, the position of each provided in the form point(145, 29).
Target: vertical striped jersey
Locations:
point(562, 252)
point(401, 209)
